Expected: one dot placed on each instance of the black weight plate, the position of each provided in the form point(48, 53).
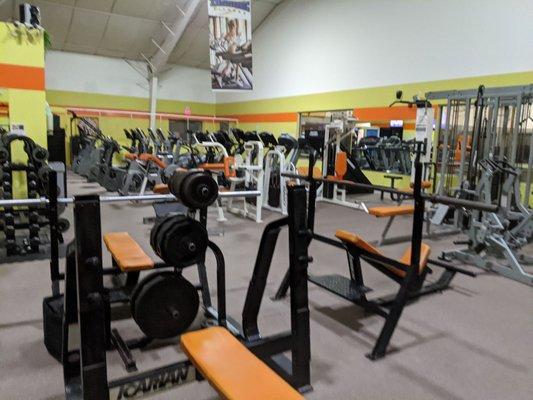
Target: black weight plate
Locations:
point(138, 288)
point(158, 233)
point(165, 306)
point(185, 242)
point(173, 224)
point(154, 231)
point(4, 154)
point(175, 182)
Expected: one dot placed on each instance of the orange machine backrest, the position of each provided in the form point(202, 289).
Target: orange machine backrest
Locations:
point(304, 171)
point(229, 170)
point(152, 158)
point(341, 164)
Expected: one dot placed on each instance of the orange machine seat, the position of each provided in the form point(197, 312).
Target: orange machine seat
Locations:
point(126, 252)
point(425, 185)
point(212, 166)
point(304, 171)
point(382, 212)
point(227, 166)
point(357, 241)
point(341, 166)
point(161, 188)
point(231, 369)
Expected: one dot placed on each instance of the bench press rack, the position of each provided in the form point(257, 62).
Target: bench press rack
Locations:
point(85, 370)
point(402, 272)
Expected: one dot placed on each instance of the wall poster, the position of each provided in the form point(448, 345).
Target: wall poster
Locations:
point(230, 44)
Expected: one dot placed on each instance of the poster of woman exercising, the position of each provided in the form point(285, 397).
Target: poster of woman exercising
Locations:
point(230, 44)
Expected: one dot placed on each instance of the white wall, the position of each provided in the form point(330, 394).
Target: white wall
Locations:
point(95, 74)
point(310, 46)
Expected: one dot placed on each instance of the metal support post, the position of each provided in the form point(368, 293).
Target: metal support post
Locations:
point(54, 232)
point(299, 259)
point(153, 100)
point(91, 303)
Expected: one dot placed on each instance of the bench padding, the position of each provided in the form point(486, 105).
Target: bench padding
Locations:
point(231, 369)
point(393, 211)
point(357, 241)
point(161, 188)
point(126, 252)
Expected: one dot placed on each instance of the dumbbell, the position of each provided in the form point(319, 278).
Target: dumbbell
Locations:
point(33, 217)
point(35, 241)
point(40, 154)
point(9, 218)
point(4, 155)
point(32, 185)
point(9, 230)
point(34, 229)
point(194, 188)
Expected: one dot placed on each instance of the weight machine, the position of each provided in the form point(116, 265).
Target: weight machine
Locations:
point(486, 132)
point(277, 161)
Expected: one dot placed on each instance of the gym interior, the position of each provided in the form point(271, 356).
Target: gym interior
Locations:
point(266, 199)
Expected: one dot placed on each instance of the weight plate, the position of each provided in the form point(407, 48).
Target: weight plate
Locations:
point(139, 288)
point(158, 227)
point(40, 154)
point(165, 305)
point(4, 154)
point(184, 242)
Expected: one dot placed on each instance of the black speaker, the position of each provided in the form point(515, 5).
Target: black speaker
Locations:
point(30, 15)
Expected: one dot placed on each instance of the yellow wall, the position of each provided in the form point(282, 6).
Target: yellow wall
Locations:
point(368, 97)
point(114, 126)
point(26, 107)
point(350, 99)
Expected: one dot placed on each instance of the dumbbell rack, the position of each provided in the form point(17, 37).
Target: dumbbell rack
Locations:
point(21, 218)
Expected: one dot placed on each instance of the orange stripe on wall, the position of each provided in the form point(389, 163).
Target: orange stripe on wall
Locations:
point(21, 77)
point(385, 113)
point(274, 117)
point(407, 126)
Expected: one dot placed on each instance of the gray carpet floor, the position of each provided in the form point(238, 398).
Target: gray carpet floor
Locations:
point(473, 341)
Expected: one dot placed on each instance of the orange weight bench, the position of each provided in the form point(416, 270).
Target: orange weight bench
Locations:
point(392, 212)
point(233, 370)
point(398, 270)
point(128, 256)
point(126, 252)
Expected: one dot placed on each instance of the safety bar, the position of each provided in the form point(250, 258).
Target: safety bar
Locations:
point(451, 201)
point(117, 199)
point(350, 183)
point(451, 267)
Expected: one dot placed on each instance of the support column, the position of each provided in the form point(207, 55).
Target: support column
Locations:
point(153, 100)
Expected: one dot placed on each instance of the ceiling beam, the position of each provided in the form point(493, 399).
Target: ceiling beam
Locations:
point(160, 58)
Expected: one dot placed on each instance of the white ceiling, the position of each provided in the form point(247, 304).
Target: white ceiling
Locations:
point(125, 28)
